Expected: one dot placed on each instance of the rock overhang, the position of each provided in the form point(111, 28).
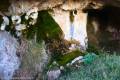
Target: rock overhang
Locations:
point(66, 5)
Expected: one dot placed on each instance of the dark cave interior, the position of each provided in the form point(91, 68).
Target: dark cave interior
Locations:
point(107, 35)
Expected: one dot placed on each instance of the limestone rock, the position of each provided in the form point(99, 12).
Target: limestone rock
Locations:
point(33, 61)
point(53, 75)
point(25, 5)
point(9, 61)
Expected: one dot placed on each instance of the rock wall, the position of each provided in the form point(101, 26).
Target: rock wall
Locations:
point(75, 30)
point(103, 28)
point(9, 61)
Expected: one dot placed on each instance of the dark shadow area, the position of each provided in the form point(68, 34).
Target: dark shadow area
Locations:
point(104, 28)
point(4, 4)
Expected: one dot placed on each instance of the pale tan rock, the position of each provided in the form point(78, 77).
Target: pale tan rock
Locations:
point(79, 26)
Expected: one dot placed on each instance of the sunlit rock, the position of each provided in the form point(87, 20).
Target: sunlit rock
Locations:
point(73, 30)
point(16, 19)
point(21, 6)
point(9, 62)
point(20, 27)
point(80, 22)
point(71, 4)
point(32, 15)
point(4, 23)
point(79, 58)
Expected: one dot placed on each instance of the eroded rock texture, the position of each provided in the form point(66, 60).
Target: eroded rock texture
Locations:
point(68, 14)
point(33, 62)
point(62, 9)
point(72, 16)
point(9, 61)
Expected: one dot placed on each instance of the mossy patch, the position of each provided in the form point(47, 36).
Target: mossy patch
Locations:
point(69, 56)
point(45, 28)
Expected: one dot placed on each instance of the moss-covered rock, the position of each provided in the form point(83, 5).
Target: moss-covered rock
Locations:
point(64, 59)
point(45, 28)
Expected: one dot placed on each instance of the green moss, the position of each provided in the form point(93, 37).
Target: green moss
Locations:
point(45, 28)
point(68, 57)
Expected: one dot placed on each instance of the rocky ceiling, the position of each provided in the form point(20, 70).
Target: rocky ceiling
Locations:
point(61, 4)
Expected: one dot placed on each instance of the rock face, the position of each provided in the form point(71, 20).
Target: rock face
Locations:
point(73, 24)
point(53, 75)
point(64, 4)
point(9, 62)
point(67, 13)
point(64, 12)
point(33, 62)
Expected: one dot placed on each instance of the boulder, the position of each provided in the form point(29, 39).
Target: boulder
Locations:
point(9, 61)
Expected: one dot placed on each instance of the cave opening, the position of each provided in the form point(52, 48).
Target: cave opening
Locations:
point(104, 28)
